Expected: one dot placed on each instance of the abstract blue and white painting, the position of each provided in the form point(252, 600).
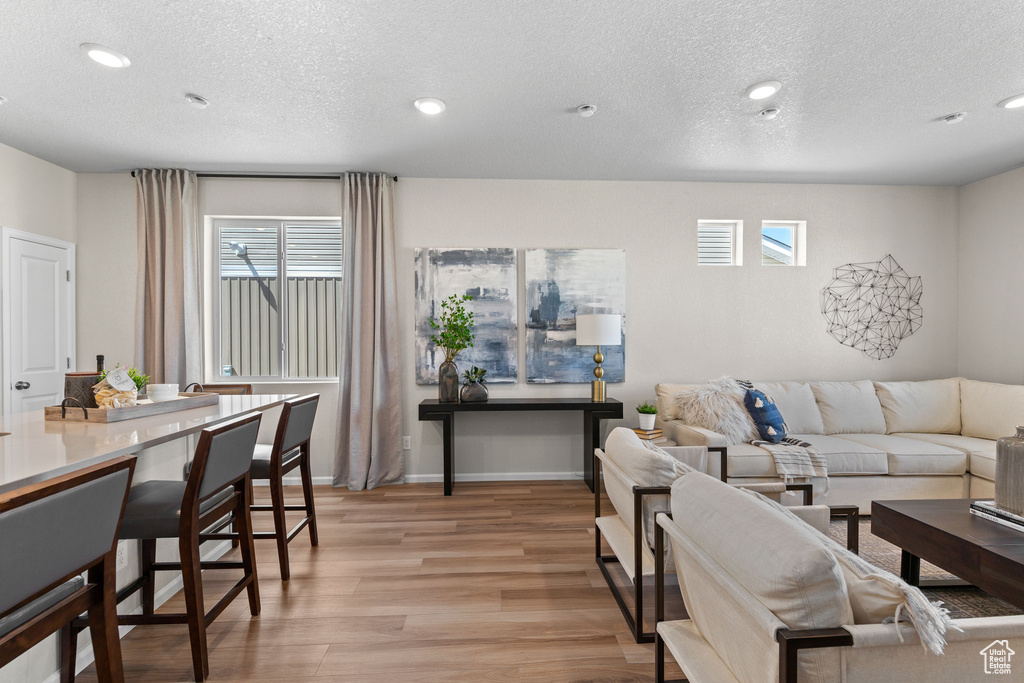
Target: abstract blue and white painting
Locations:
point(490, 277)
point(560, 283)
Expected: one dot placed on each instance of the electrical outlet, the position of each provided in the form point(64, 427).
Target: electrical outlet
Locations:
point(122, 555)
point(407, 443)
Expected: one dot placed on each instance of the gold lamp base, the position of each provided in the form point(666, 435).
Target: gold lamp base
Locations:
point(597, 386)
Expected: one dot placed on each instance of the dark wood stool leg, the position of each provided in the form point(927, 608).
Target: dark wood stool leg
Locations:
point(307, 493)
point(67, 658)
point(148, 546)
point(243, 520)
point(106, 643)
point(188, 547)
point(280, 523)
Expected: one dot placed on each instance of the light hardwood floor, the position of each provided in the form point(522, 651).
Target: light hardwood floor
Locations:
point(496, 583)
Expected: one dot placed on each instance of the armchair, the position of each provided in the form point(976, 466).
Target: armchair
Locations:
point(788, 609)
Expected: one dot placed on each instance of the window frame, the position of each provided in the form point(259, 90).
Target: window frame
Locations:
point(213, 366)
point(735, 227)
point(799, 232)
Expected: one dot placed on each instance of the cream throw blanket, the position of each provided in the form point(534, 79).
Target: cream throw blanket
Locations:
point(795, 458)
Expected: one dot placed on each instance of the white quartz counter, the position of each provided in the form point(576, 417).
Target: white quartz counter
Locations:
point(36, 449)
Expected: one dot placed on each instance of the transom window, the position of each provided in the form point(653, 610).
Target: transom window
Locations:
point(783, 243)
point(279, 299)
point(719, 243)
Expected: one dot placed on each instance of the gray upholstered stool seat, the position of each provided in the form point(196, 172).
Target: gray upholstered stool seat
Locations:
point(33, 609)
point(154, 509)
point(261, 460)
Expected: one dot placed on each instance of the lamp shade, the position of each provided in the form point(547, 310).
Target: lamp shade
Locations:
point(598, 329)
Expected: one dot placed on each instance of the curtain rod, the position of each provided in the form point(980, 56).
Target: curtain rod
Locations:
point(270, 177)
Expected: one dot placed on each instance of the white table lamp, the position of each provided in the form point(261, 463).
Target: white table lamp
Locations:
point(598, 329)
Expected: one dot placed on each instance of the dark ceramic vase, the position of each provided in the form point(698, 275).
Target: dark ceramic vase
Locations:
point(448, 382)
point(474, 393)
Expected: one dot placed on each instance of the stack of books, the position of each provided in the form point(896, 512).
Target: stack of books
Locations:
point(655, 436)
point(987, 509)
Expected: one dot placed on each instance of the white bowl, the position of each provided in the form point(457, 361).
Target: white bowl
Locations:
point(161, 388)
point(160, 398)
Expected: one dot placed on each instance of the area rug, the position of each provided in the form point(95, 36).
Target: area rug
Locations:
point(962, 602)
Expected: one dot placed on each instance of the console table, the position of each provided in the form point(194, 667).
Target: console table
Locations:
point(593, 413)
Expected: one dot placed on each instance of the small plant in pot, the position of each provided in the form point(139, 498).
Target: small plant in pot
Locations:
point(474, 390)
point(455, 333)
point(647, 412)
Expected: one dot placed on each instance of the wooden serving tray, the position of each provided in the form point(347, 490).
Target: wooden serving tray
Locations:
point(185, 401)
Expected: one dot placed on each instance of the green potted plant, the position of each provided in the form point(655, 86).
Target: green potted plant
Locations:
point(454, 333)
point(647, 413)
point(474, 390)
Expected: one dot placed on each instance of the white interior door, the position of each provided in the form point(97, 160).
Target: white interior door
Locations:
point(37, 334)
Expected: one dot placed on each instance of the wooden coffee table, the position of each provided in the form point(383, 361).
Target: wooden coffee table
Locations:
point(944, 532)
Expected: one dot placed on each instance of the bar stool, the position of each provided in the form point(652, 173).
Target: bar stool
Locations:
point(289, 451)
point(217, 485)
point(50, 533)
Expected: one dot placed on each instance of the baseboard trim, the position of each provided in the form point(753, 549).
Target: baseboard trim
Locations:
point(495, 476)
point(85, 655)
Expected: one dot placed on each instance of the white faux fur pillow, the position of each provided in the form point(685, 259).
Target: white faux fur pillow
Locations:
point(718, 406)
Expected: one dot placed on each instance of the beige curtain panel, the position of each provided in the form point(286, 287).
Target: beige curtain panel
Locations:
point(168, 345)
point(369, 410)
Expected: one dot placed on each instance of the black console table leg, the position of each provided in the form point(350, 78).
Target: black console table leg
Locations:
point(591, 440)
point(449, 450)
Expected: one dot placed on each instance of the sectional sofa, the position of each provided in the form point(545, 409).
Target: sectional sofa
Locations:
point(881, 440)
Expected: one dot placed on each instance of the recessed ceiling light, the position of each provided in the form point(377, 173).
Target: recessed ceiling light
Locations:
point(429, 105)
point(768, 114)
point(954, 118)
point(105, 56)
point(760, 91)
point(586, 110)
point(197, 101)
point(1013, 102)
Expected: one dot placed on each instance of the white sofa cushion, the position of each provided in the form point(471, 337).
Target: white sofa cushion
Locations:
point(914, 456)
point(796, 403)
point(989, 410)
point(665, 392)
point(780, 561)
point(931, 406)
point(981, 453)
point(849, 407)
point(847, 457)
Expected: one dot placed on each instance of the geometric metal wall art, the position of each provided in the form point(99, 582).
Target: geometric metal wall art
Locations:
point(872, 306)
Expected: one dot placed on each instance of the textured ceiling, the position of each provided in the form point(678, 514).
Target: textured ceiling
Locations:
point(320, 86)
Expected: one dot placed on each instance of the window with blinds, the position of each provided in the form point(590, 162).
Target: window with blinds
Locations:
point(719, 243)
point(280, 298)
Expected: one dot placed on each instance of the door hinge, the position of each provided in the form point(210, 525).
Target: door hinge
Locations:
point(69, 362)
point(67, 275)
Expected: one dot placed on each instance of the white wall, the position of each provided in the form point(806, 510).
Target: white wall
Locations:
point(991, 323)
point(684, 323)
point(35, 196)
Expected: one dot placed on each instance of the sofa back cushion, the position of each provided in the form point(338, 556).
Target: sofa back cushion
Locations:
point(795, 401)
point(989, 410)
point(667, 408)
point(929, 407)
point(849, 407)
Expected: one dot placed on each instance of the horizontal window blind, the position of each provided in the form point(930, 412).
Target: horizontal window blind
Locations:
point(715, 244)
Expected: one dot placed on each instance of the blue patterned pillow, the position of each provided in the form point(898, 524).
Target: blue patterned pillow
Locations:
point(766, 416)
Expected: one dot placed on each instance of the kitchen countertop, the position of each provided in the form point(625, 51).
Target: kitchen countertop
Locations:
point(36, 450)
